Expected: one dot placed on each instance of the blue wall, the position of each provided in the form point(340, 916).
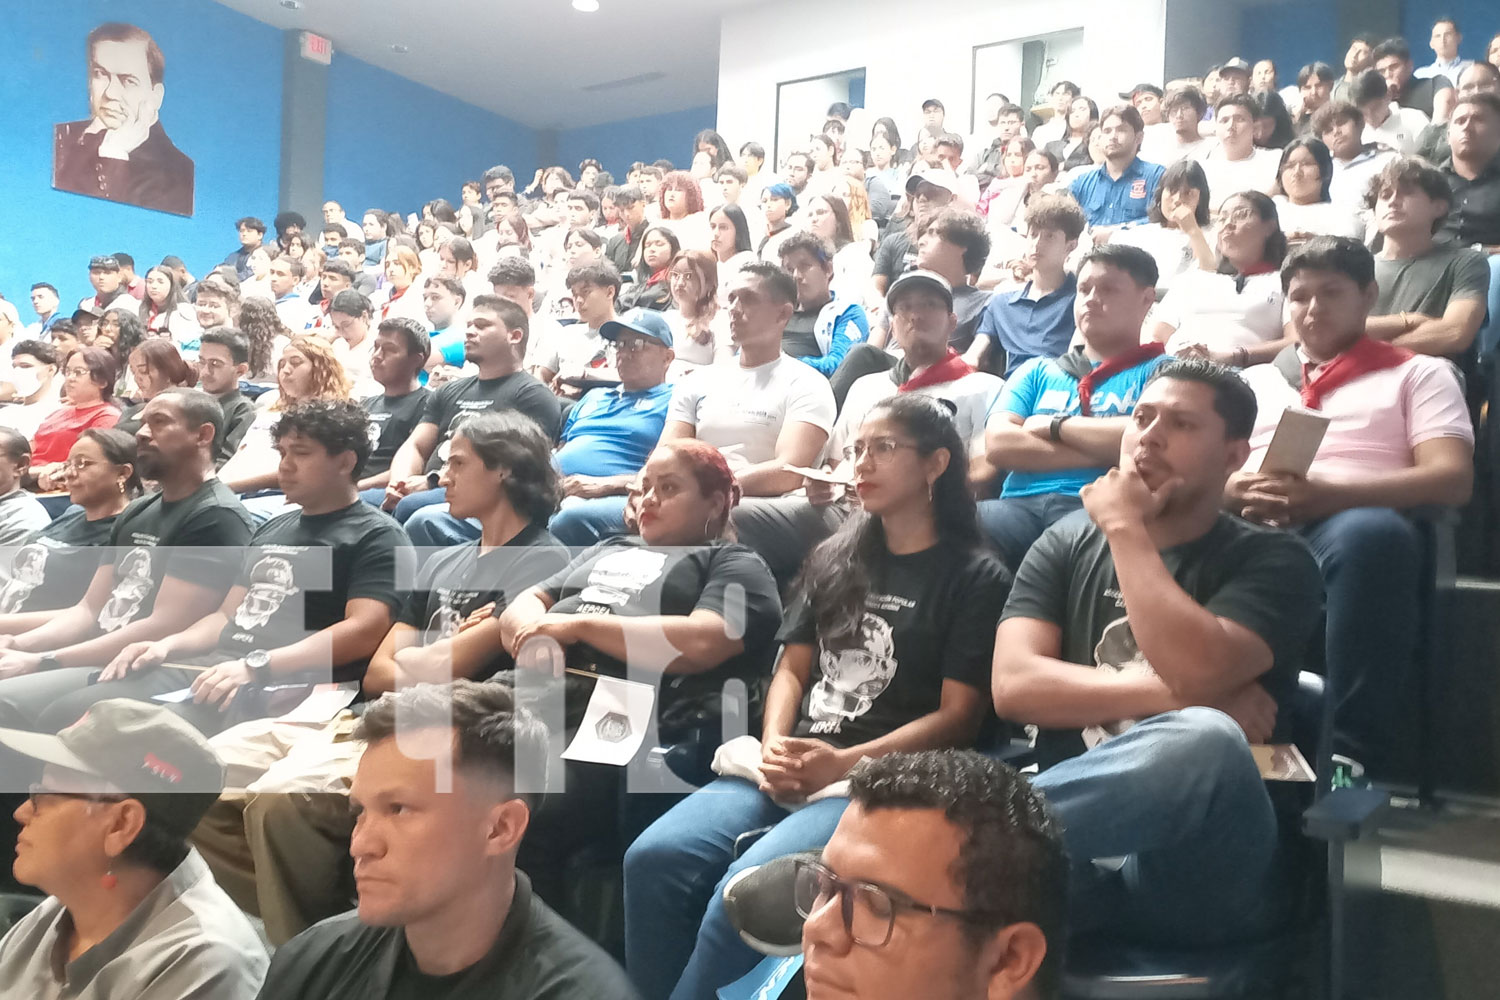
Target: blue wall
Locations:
point(222, 108)
point(1479, 20)
point(618, 144)
point(1265, 33)
point(395, 144)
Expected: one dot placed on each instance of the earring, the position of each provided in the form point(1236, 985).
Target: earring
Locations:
point(108, 880)
point(120, 485)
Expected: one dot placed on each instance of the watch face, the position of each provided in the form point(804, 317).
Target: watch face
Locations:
point(258, 660)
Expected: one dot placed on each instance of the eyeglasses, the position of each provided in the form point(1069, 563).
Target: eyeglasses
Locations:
point(79, 465)
point(869, 910)
point(77, 373)
point(1238, 217)
point(880, 450)
point(635, 346)
point(36, 793)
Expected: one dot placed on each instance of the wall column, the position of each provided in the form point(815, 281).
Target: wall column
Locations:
point(304, 127)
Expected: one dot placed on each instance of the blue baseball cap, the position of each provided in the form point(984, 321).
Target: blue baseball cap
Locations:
point(646, 322)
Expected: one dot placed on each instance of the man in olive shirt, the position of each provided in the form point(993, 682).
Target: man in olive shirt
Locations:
point(443, 913)
point(223, 359)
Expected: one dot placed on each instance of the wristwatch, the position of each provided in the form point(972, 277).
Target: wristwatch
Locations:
point(1055, 430)
point(259, 664)
point(47, 662)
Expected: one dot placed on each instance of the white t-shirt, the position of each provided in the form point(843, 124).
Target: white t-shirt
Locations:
point(25, 418)
point(1257, 172)
point(1323, 218)
point(1400, 131)
point(689, 353)
point(972, 394)
point(1161, 145)
point(742, 411)
point(1170, 249)
point(573, 350)
point(1204, 308)
point(1352, 179)
point(356, 362)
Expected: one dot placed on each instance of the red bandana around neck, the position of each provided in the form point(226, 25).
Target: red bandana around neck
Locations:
point(1112, 366)
point(1363, 357)
point(952, 368)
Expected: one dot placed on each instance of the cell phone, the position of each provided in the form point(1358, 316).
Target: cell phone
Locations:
point(1296, 441)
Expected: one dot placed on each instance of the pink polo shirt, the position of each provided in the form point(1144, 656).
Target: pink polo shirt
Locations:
point(1376, 420)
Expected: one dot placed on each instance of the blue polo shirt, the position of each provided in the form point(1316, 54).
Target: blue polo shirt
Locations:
point(610, 432)
point(1040, 386)
point(1110, 202)
point(1029, 328)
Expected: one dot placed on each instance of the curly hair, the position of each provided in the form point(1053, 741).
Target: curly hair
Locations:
point(838, 574)
point(680, 180)
point(339, 425)
point(507, 440)
point(330, 381)
point(258, 321)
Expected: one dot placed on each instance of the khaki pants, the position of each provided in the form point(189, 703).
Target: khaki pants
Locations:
point(278, 838)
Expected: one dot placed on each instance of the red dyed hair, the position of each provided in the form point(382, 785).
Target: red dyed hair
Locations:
point(710, 469)
point(680, 180)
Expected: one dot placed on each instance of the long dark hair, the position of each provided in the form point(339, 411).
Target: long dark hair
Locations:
point(1319, 152)
point(1274, 251)
point(721, 154)
point(1184, 175)
point(837, 576)
point(119, 449)
point(736, 217)
point(174, 297)
point(506, 440)
point(1269, 104)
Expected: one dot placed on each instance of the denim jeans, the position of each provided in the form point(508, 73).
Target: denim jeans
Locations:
point(678, 939)
point(433, 527)
point(1371, 560)
point(1014, 523)
point(1489, 333)
point(580, 523)
point(413, 502)
point(1170, 834)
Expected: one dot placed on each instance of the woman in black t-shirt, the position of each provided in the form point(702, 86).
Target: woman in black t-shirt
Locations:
point(53, 566)
point(689, 610)
point(887, 647)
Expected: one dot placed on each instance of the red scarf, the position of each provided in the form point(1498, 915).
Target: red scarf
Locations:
point(952, 368)
point(1119, 363)
point(1364, 356)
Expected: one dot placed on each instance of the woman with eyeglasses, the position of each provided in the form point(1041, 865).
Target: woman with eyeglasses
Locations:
point(700, 329)
point(89, 387)
point(53, 566)
point(688, 607)
point(886, 647)
point(1232, 315)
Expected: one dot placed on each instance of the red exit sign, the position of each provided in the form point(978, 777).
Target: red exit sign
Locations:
point(317, 48)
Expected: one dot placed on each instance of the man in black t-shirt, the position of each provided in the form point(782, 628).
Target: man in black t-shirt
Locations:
point(314, 595)
point(496, 342)
point(402, 348)
point(224, 359)
point(1432, 96)
point(169, 562)
point(443, 912)
point(1164, 636)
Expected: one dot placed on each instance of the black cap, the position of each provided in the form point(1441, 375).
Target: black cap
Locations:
point(104, 263)
point(933, 102)
point(1235, 65)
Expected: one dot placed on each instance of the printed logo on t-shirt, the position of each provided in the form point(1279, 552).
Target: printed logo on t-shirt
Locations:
point(1116, 650)
point(618, 577)
point(375, 428)
point(135, 582)
point(445, 619)
point(271, 583)
point(853, 678)
point(28, 571)
point(1138, 188)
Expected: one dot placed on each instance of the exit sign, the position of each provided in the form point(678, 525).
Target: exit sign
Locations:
point(317, 48)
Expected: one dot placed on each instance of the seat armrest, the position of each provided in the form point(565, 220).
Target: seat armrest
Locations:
point(1345, 814)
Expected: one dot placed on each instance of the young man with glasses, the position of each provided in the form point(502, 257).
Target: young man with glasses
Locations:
point(224, 359)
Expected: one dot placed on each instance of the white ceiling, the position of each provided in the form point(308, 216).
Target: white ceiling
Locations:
point(529, 60)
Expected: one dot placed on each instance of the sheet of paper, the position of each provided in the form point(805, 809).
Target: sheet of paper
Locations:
point(818, 475)
point(174, 697)
point(614, 724)
point(1281, 762)
point(325, 701)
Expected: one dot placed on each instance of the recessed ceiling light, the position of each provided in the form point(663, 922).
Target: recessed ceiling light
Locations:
point(400, 49)
point(586, 6)
point(292, 4)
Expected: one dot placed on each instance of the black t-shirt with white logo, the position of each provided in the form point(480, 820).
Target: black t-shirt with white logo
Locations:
point(53, 566)
point(202, 535)
point(930, 616)
point(301, 570)
point(1262, 578)
point(455, 582)
point(624, 576)
point(392, 419)
point(517, 391)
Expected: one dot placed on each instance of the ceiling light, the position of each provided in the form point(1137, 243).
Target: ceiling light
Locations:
point(400, 49)
point(292, 4)
point(586, 6)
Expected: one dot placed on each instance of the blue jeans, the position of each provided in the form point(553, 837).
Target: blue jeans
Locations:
point(1178, 799)
point(413, 502)
point(1014, 523)
point(1371, 562)
point(581, 523)
point(433, 527)
point(1489, 333)
point(678, 939)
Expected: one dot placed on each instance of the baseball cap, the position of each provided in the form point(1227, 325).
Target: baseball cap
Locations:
point(646, 322)
point(945, 179)
point(1235, 65)
point(933, 102)
point(1141, 88)
point(919, 279)
point(104, 263)
point(139, 749)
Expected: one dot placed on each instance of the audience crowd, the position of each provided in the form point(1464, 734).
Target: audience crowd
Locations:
point(783, 491)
